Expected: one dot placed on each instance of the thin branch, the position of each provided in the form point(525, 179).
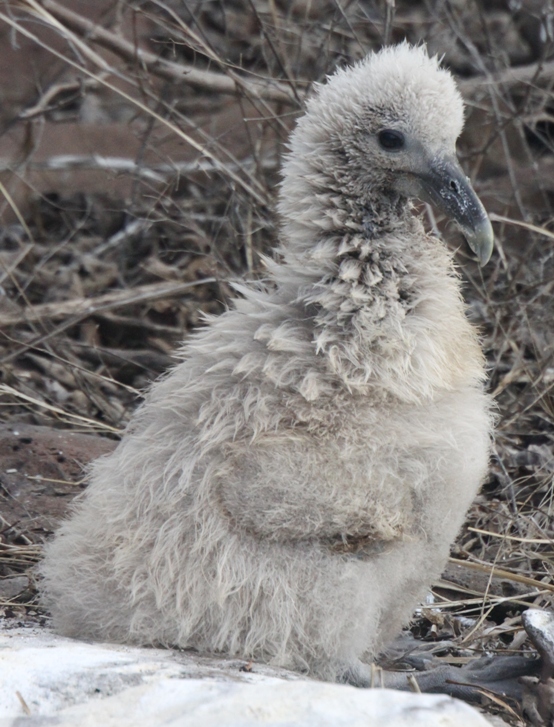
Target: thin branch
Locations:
point(175, 72)
point(519, 223)
point(259, 197)
point(46, 100)
point(495, 572)
point(123, 165)
point(10, 391)
point(84, 307)
point(538, 74)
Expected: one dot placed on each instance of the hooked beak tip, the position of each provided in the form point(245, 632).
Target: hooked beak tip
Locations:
point(481, 239)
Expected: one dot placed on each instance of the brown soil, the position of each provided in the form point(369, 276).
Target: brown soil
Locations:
point(41, 471)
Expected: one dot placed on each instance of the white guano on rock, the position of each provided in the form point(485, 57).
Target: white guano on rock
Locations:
point(69, 683)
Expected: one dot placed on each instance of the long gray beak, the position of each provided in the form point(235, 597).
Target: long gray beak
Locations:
point(445, 185)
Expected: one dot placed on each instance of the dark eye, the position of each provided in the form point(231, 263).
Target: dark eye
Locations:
point(391, 140)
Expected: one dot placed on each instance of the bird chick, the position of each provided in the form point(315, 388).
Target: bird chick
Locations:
point(290, 490)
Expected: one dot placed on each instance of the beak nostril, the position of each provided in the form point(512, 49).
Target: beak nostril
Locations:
point(454, 186)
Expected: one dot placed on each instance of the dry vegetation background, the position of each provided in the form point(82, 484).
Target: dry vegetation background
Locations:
point(140, 145)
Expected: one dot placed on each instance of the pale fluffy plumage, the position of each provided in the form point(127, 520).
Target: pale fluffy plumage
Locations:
point(290, 490)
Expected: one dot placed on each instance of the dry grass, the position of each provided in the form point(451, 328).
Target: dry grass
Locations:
point(107, 260)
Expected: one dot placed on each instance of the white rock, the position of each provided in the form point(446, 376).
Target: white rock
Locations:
point(64, 682)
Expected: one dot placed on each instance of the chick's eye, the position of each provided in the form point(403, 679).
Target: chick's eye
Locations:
point(391, 140)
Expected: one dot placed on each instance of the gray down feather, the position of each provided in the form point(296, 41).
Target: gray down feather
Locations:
point(289, 491)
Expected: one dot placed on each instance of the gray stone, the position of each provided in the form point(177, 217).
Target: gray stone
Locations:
point(12, 586)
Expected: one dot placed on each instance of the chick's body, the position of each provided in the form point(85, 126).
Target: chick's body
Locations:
point(290, 490)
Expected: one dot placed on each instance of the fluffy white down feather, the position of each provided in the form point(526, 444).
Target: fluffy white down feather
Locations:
point(289, 491)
